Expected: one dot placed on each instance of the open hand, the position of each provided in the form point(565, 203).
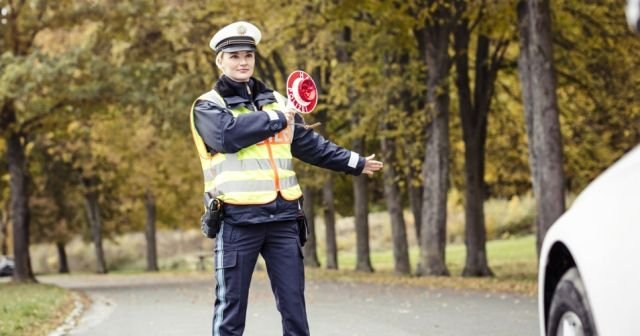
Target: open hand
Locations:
point(371, 165)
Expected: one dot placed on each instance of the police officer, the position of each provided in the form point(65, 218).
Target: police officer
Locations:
point(246, 139)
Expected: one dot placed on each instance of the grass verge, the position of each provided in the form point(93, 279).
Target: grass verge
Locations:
point(513, 262)
point(32, 309)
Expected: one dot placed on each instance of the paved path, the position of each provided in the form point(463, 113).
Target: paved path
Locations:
point(182, 305)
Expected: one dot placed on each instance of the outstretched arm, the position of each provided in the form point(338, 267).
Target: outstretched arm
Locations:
point(313, 148)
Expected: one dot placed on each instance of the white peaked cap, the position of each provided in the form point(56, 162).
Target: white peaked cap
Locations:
point(237, 36)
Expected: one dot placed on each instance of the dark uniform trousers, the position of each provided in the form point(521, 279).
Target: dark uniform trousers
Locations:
point(237, 249)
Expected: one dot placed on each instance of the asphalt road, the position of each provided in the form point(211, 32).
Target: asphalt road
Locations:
point(182, 305)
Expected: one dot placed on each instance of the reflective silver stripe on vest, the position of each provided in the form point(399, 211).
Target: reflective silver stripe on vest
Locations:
point(231, 163)
point(258, 186)
point(288, 182)
point(213, 96)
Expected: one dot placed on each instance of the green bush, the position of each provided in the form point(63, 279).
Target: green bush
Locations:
point(503, 217)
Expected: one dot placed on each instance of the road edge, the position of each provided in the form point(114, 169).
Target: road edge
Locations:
point(80, 303)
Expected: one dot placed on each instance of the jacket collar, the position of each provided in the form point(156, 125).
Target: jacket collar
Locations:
point(235, 94)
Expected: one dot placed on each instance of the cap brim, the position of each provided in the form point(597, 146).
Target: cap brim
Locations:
point(241, 47)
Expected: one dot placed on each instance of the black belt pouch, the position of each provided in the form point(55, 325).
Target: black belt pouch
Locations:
point(303, 228)
point(211, 221)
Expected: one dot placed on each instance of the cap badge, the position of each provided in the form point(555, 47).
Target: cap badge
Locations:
point(242, 30)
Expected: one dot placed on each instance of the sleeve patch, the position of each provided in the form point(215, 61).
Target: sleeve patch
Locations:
point(273, 115)
point(353, 160)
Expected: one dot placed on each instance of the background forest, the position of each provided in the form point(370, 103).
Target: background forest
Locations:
point(95, 98)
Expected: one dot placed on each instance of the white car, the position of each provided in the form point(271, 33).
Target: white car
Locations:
point(6, 266)
point(589, 272)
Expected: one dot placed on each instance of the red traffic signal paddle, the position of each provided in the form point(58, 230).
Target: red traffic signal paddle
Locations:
point(302, 91)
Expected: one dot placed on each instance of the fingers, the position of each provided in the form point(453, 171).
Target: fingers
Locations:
point(371, 166)
point(374, 164)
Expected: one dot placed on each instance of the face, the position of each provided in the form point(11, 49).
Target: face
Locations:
point(238, 65)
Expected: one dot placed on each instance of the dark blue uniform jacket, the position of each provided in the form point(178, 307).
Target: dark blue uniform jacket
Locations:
point(224, 133)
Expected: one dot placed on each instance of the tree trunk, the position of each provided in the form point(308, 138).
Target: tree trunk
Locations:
point(546, 141)
point(413, 105)
point(310, 248)
point(150, 232)
point(415, 191)
point(473, 114)
point(524, 73)
point(330, 223)
point(436, 164)
point(415, 200)
point(63, 265)
point(415, 182)
point(95, 223)
point(394, 206)
point(361, 210)
point(392, 194)
point(361, 214)
point(328, 201)
point(4, 229)
point(476, 263)
point(19, 207)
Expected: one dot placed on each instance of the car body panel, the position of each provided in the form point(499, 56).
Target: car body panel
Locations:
point(601, 230)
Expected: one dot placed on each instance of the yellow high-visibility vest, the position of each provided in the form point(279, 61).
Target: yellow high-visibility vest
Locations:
point(255, 174)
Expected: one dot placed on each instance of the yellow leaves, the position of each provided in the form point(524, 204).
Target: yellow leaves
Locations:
point(141, 144)
point(118, 51)
point(66, 156)
point(71, 127)
point(596, 94)
point(55, 41)
point(28, 148)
